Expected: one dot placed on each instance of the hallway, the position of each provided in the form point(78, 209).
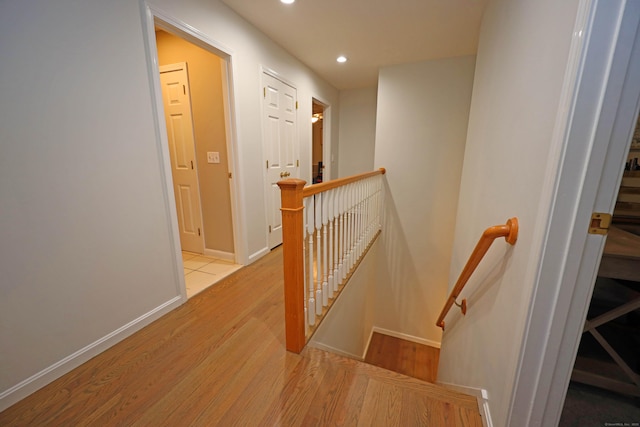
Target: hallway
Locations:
point(219, 359)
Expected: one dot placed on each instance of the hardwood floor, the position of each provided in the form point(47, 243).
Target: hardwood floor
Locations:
point(405, 357)
point(220, 359)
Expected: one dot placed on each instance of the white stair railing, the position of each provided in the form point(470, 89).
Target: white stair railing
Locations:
point(327, 229)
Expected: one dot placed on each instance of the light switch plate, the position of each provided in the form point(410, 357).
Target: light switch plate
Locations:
point(213, 157)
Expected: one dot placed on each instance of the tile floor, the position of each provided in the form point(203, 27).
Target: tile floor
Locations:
point(201, 271)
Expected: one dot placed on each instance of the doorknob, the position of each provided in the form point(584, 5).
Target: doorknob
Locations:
point(284, 174)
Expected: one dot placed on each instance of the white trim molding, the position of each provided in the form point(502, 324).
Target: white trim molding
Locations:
point(227, 256)
point(602, 110)
point(257, 255)
point(58, 369)
point(406, 337)
point(480, 394)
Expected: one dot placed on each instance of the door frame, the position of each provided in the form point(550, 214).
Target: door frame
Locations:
point(327, 160)
point(602, 100)
point(153, 17)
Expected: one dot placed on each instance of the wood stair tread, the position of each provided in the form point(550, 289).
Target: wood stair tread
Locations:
point(433, 391)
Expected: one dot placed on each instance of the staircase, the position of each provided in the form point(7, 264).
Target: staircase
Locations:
point(350, 392)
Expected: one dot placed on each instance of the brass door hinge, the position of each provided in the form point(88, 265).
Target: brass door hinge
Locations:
point(267, 164)
point(198, 231)
point(230, 175)
point(297, 163)
point(599, 223)
point(296, 105)
point(269, 229)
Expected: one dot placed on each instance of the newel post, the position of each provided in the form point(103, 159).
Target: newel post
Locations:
point(292, 208)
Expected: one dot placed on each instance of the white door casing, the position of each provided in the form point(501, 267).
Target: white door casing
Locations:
point(279, 124)
point(606, 100)
point(177, 112)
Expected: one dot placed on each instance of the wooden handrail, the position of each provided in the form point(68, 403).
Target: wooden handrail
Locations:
point(329, 185)
point(509, 231)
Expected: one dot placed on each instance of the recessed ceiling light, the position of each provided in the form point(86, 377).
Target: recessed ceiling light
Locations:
point(341, 59)
point(287, 1)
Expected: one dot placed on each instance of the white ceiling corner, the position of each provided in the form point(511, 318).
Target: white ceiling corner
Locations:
point(371, 33)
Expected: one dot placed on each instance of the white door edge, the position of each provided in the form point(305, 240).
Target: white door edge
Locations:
point(606, 96)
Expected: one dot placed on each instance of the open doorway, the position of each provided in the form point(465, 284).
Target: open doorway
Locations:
point(317, 141)
point(199, 156)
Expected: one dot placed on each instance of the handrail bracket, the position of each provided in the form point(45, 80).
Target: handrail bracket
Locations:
point(462, 306)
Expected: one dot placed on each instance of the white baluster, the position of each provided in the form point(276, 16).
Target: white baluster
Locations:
point(336, 245)
point(380, 202)
point(372, 211)
point(367, 211)
point(345, 246)
point(329, 267)
point(340, 199)
point(372, 205)
point(325, 272)
point(358, 221)
point(318, 224)
point(352, 228)
point(311, 306)
point(367, 205)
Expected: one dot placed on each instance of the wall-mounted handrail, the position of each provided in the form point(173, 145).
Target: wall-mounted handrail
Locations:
point(509, 231)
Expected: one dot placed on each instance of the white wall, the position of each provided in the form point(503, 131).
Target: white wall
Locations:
point(85, 239)
point(84, 233)
point(347, 327)
point(422, 119)
point(520, 71)
point(357, 130)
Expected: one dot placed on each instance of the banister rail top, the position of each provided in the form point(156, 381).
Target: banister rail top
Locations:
point(335, 183)
point(509, 231)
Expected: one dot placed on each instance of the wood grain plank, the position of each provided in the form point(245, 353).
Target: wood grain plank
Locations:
point(220, 359)
point(402, 356)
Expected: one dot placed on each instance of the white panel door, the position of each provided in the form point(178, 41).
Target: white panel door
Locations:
point(177, 113)
point(280, 144)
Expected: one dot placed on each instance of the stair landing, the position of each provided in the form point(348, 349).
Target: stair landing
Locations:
point(367, 395)
point(402, 356)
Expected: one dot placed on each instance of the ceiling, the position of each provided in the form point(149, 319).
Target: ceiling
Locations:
point(370, 33)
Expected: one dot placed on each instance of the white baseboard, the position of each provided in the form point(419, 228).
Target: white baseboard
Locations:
point(58, 369)
point(406, 337)
point(227, 256)
point(330, 349)
point(257, 255)
point(366, 348)
point(482, 396)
